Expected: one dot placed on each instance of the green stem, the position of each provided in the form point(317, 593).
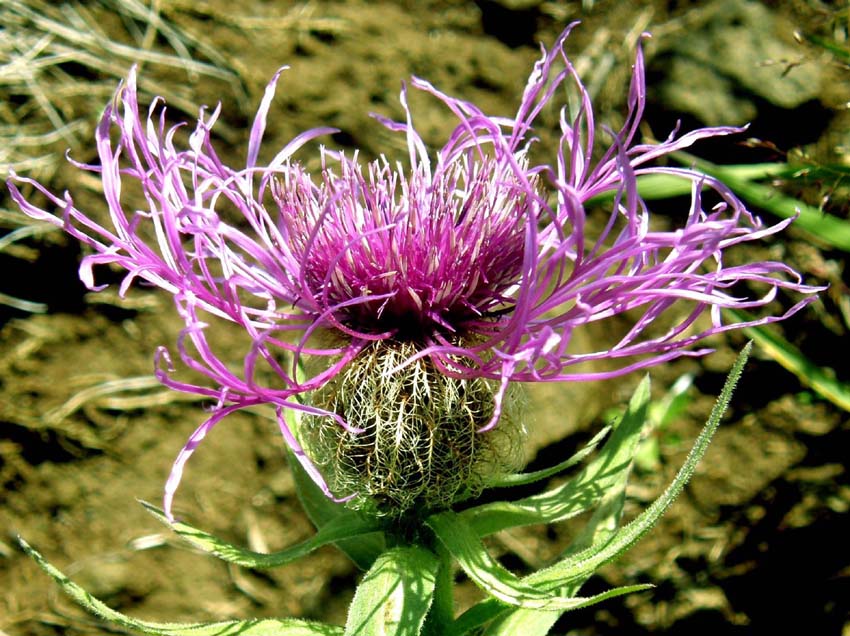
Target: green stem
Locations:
point(441, 615)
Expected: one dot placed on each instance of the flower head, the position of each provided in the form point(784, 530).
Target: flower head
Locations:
point(474, 266)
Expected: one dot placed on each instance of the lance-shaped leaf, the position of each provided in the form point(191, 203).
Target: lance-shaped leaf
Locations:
point(569, 574)
point(338, 529)
point(580, 565)
point(821, 380)
point(250, 627)
point(464, 545)
point(533, 622)
point(580, 493)
point(830, 229)
point(523, 621)
point(485, 611)
point(522, 479)
point(395, 594)
point(601, 526)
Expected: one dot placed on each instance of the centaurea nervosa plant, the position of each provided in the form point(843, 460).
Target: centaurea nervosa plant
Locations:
point(395, 306)
point(428, 288)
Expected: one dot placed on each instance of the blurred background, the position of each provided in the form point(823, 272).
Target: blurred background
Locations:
point(756, 545)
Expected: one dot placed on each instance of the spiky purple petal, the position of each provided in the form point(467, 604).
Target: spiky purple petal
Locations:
point(479, 255)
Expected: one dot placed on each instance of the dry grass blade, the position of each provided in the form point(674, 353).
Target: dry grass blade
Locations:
point(59, 63)
point(301, 18)
point(144, 392)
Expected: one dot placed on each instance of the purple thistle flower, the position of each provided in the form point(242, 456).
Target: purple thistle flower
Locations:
point(478, 256)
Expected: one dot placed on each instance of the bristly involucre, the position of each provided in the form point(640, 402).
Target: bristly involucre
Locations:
point(475, 264)
point(419, 446)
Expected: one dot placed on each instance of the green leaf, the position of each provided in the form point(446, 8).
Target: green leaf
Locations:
point(322, 511)
point(609, 511)
point(832, 46)
point(338, 529)
point(442, 613)
point(661, 412)
point(523, 479)
point(395, 594)
point(578, 566)
point(790, 357)
point(830, 229)
point(602, 525)
point(523, 621)
point(827, 228)
point(251, 627)
point(465, 546)
point(486, 611)
point(566, 576)
point(660, 186)
point(580, 493)
point(665, 186)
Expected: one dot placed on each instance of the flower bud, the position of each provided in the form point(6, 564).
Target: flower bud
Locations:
point(419, 445)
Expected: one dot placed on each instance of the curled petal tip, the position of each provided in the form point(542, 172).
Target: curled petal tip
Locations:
point(478, 254)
